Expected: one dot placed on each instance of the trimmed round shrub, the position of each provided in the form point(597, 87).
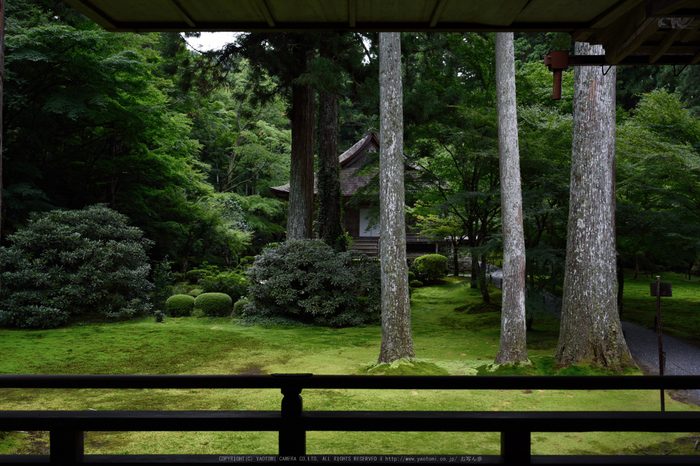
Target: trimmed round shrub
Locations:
point(70, 263)
point(415, 283)
point(432, 266)
point(194, 276)
point(179, 305)
point(306, 281)
point(239, 306)
point(196, 292)
point(214, 304)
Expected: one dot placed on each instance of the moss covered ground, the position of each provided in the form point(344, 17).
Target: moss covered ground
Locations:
point(453, 334)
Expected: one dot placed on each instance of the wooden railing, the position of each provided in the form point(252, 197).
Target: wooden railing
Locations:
point(292, 422)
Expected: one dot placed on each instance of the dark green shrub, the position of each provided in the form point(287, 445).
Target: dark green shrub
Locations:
point(411, 276)
point(432, 266)
point(194, 276)
point(307, 281)
point(180, 305)
point(229, 282)
point(214, 304)
point(70, 263)
point(239, 307)
point(247, 260)
point(415, 283)
point(196, 292)
point(163, 279)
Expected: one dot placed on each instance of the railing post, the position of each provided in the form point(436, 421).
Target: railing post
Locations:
point(66, 446)
point(292, 439)
point(515, 447)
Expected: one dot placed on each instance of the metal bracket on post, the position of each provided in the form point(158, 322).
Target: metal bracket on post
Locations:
point(557, 61)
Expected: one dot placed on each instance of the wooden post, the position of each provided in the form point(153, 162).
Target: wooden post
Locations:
point(515, 447)
point(292, 439)
point(66, 446)
point(661, 344)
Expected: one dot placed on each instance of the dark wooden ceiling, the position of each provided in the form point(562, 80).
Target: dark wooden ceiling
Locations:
point(651, 31)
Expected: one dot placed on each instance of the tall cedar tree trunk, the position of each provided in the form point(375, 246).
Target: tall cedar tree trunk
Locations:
point(512, 347)
point(2, 89)
point(397, 341)
point(330, 220)
point(301, 172)
point(590, 324)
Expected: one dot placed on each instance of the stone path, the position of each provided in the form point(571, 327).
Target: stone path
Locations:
point(681, 358)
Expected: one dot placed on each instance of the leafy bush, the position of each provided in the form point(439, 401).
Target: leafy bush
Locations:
point(195, 292)
point(179, 305)
point(67, 263)
point(213, 304)
point(432, 266)
point(411, 276)
point(239, 307)
point(194, 276)
point(229, 282)
point(415, 284)
point(247, 260)
point(307, 281)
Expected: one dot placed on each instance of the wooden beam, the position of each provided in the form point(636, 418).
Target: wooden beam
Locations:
point(696, 59)
point(582, 35)
point(183, 13)
point(623, 25)
point(624, 44)
point(266, 12)
point(661, 8)
point(91, 11)
point(352, 13)
point(437, 12)
point(614, 13)
point(665, 44)
point(692, 33)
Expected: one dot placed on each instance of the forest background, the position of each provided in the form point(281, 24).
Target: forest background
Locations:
point(187, 144)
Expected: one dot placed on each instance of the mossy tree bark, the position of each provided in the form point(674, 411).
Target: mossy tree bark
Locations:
point(301, 172)
point(512, 346)
point(590, 324)
point(397, 340)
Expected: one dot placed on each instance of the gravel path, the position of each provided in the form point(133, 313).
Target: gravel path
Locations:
point(681, 358)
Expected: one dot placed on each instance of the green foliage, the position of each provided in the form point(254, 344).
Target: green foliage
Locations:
point(305, 280)
point(195, 292)
point(415, 283)
point(162, 280)
point(432, 266)
point(194, 276)
point(228, 282)
point(239, 307)
point(214, 304)
point(411, 276)
point(658, 168)
point(70, 263)
point(180, 305)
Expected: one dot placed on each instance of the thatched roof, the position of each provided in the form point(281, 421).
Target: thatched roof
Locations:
point(350, 161)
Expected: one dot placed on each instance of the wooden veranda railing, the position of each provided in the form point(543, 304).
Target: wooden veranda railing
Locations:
point(292, 422)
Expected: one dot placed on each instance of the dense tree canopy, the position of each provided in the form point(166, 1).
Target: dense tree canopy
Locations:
point(187, 145)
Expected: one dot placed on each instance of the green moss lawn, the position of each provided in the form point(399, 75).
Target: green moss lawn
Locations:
point(453, 334)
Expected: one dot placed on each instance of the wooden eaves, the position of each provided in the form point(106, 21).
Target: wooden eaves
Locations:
point(631, 31)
